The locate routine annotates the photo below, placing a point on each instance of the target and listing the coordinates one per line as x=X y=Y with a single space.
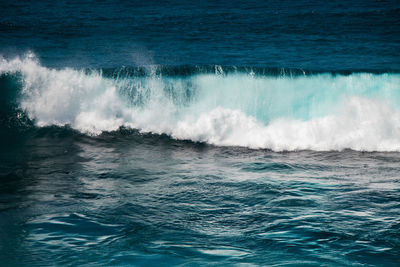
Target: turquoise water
x=132 y=199
x=192 y=134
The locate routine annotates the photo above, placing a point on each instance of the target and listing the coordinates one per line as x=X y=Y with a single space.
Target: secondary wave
x=243 y=108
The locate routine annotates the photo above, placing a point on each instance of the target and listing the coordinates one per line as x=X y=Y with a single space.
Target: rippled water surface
x=132 y=199
x=193 y=133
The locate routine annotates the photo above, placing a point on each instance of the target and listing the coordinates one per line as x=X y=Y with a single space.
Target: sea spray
x=282 y=112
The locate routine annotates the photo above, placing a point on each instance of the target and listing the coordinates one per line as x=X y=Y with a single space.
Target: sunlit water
x=247 y=133
x=131 y=199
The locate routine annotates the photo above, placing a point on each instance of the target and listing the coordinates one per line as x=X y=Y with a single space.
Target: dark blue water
x=300 y=34
x=259 y=133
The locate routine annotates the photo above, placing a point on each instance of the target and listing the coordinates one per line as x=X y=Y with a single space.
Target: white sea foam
x=320 y=112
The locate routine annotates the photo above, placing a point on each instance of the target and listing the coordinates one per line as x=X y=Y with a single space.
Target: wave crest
x=317 y=112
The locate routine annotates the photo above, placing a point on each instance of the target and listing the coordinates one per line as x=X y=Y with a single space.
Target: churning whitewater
x=283 y=112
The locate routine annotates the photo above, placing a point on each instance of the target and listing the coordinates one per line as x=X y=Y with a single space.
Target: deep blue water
x=254 y=133
x=333 y=35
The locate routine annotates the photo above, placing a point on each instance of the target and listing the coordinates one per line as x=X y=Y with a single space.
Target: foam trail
x=318 y=112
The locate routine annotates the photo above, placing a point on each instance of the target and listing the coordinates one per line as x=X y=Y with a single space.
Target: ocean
x=197 y=133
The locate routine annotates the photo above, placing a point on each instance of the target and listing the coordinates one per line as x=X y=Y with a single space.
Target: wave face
x=280 y=112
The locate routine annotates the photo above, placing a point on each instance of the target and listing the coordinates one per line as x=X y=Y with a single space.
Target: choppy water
x=257 y=133
x=131 y=199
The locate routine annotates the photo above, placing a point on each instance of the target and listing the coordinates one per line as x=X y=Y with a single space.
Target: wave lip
x=302 y=112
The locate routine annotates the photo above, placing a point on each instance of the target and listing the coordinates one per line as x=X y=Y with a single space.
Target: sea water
x=255 y=133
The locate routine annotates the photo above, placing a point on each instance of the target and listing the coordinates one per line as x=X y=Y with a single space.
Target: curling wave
x=322 y=111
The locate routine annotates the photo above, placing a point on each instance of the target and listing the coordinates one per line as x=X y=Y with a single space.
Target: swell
x=190 y=70
x=284 y=109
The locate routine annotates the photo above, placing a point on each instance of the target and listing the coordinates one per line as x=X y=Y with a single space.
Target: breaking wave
x=288 y=110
